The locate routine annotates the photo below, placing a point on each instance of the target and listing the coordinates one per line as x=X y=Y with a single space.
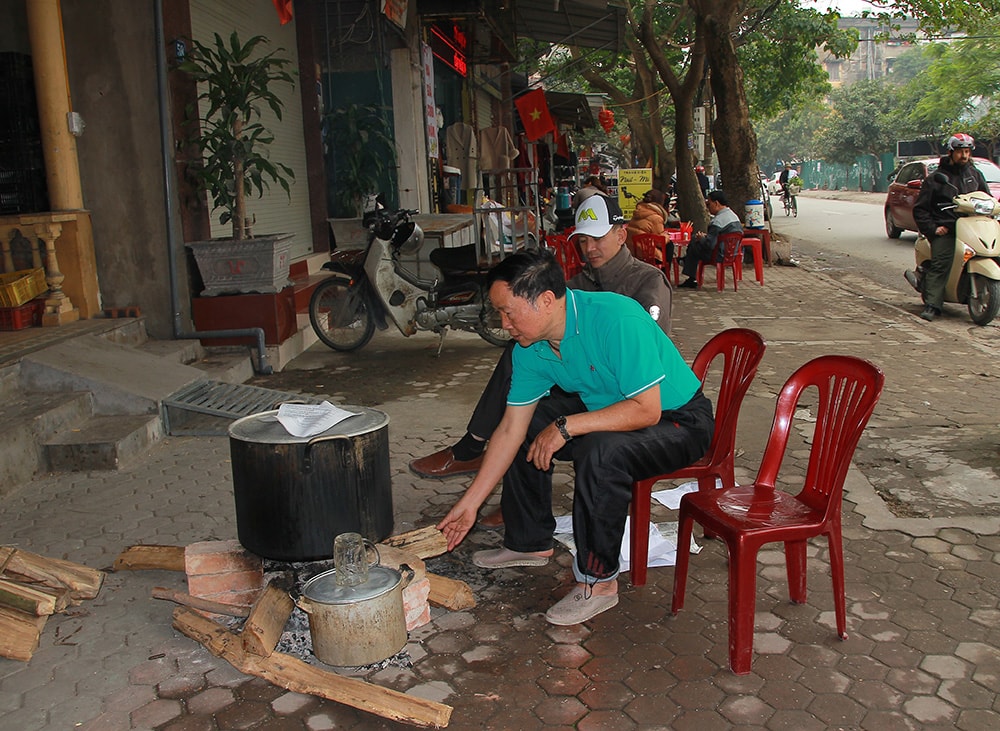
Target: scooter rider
x=935 y=216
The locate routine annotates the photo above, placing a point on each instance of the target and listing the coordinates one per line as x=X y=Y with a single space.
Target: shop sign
x=395 y=11
x=632 y=186
x=449 y=45
x=430 y=111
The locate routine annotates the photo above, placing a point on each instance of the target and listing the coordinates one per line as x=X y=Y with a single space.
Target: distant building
x=874 y=56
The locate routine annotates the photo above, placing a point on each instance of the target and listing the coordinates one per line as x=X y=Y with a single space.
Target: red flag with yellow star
x=534 y=114
x=284 y=8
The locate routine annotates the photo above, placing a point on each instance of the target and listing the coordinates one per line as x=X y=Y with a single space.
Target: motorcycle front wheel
x=490 y=328
x=984 y=308
x=340 y=316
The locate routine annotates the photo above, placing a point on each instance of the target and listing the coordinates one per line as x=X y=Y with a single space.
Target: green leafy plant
x=363 y=152
x=795 y=180
x=232 y=141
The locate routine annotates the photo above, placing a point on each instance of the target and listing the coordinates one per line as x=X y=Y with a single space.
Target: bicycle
x=788 y=200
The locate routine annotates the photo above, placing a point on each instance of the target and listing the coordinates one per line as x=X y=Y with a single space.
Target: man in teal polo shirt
x=632 y=409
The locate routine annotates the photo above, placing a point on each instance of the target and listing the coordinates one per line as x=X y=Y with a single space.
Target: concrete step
x=102 y=442
x=27 y=420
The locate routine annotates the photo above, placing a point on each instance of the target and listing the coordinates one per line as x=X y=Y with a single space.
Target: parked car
x=904 y=187
x=773 y=186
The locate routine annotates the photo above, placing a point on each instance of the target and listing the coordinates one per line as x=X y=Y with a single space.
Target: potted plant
x=363 y=152
x=235 y=81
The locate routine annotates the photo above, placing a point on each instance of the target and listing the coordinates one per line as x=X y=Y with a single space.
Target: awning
x=570 y=109
x=585 y=23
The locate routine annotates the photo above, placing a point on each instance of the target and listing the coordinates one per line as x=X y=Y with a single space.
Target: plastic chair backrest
x=652 y=249
x=847 y=390
x=742 y=350
x=731 y=243
x=566 y=254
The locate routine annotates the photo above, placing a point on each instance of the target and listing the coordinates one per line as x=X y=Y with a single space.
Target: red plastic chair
x=747 y=517
x=732 y=256
x=566 y=253
x=756 y=246
x=742 y=351
x=653 y=249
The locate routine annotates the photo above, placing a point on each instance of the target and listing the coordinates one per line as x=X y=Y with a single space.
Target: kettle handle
x=304 y=604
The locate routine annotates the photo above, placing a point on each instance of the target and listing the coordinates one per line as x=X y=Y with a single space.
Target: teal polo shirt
x=612 y=350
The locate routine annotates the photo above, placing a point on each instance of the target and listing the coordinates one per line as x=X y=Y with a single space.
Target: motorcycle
x=370 y=286
x=974 y=278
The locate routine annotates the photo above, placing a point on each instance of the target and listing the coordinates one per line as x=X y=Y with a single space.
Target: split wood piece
x=450 y=593
x=142 y=558
x=295 y=675
x=204 y=605
x=82 y=581
x=33 y=599
x=267 y=621
x=19 y=633
x=423 y=542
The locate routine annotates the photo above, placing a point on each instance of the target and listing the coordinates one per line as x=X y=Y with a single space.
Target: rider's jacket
x=934 y=207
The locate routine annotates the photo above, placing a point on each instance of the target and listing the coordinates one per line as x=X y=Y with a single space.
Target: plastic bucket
x=755 y=214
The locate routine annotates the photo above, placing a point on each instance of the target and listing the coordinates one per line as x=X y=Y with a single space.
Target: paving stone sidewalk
x=922 y=592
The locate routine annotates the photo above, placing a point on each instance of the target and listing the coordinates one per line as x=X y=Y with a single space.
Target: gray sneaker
x=911 y=276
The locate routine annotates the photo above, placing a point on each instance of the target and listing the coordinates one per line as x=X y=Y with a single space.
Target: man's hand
x=547 y=443
x=941 y=230
x=458 y=522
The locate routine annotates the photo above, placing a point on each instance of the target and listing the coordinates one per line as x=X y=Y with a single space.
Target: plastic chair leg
x=684 y=529
x=639 y=534
x=742 y=600
x=757 y=249
x=837 y=573
x=795 y=568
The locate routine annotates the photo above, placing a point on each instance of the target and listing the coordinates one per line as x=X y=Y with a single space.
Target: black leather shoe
x=930 y=313
x=444 y=464
x=691 y=283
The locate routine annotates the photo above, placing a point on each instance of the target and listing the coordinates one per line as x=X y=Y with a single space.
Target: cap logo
x=587 y=213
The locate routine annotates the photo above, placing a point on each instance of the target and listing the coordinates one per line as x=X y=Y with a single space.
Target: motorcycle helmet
x=408 y=238
x=959 y=141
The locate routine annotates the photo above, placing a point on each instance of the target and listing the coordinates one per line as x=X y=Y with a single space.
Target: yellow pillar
x=48 y=57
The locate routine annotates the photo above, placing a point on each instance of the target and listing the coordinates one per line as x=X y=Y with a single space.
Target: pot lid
x=323 y=588
x=266 y=429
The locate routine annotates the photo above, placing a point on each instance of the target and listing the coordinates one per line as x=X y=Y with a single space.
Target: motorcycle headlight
x=983 y=208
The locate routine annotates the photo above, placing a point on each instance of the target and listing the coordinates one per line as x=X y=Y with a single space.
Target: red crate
x=26 y=315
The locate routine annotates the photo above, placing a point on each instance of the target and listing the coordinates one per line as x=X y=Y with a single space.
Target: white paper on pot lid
x=308 y=420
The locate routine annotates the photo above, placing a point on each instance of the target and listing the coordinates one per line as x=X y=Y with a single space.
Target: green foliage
x=862 y=121
x=778 y=57
x=232 y=141
x=364 y=151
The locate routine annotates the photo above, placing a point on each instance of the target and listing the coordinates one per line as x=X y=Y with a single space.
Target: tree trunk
x=690 y=204
x=239 y=194
x=733 y=135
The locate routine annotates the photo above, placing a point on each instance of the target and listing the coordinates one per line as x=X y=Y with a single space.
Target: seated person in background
x=591 y=186
x=704 y=246
x=650 y=217
x=600 y=234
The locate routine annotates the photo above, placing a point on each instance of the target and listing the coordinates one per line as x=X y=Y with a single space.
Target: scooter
x=370 y=286
x=974 y=278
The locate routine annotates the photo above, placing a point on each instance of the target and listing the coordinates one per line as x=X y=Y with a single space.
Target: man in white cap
x=600 y=234
x=630 y=408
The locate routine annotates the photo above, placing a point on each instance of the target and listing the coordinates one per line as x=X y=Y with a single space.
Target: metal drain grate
x=206 y=408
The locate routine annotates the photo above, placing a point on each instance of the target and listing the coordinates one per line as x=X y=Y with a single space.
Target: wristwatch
x=561 y=426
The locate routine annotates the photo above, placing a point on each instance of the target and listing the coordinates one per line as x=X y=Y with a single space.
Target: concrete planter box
x=256 y=265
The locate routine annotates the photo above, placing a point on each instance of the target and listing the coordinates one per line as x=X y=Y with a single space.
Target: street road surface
x=838 y=236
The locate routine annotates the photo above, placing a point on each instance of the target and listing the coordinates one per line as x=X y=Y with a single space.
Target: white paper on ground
x=662 y=542
x=308 y=420
x=671 y=497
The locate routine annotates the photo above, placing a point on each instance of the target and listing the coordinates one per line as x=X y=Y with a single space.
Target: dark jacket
x=626 y=275
x=932 y=207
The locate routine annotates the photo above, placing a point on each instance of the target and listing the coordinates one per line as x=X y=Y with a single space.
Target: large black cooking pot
x=295 y=494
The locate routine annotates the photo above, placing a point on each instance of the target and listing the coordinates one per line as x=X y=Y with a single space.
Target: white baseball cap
x=596 y=215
